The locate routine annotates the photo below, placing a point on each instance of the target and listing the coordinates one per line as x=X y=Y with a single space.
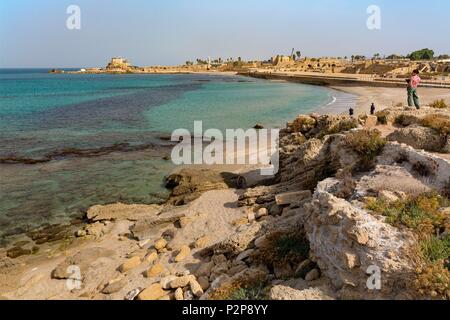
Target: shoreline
x=389 y=97
x=88 y=153
x=109 y=234
x=365 y=90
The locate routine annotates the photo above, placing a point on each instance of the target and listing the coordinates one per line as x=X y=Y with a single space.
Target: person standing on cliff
x=372 y=109
x=413 y=84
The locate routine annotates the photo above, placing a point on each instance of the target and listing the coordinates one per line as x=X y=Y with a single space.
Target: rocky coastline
x=359 y=210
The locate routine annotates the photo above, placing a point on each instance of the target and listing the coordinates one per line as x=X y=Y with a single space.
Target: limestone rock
x=314 y=274
x=290 y=197
x=165 y=282
x=130 y=264
x=145 y=228
x=83 y=260
x=419 y=138
x=181 y=282
x=151 y=257
x=251 y=216
x=188 y=295
x=160 y=244
x=262 y=212
x=115 y=285
x=196 y=288
x=132 y=294
x=154 y=270
x=202 y=242
x=282 y=292
x=239 y=241
x=120 y=211
x=204 y=270
x=245 y=254
x=154 y=292
x=96 y=229
x=179 y=295
x=184 y=221
x=371 y=121
x=204 y=283
x=183 y=253
x=343 y=236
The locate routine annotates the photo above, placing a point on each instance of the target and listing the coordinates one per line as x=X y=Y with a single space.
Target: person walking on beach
x=372 y=109
x=413 y=84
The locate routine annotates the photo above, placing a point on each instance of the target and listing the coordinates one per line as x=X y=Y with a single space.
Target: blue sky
x=33 y=33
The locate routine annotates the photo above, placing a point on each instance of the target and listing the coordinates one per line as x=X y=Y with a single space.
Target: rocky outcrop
x=348 y=244
x=83 y=260
x=188 y=184
x=433 y=167
x=419 y=138
x=120 y=211
x=300 y=290
x=144 y=229
x=316 y=160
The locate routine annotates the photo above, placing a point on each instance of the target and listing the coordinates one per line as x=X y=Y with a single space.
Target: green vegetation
x=443 y=57
x=395 y=57
x=439 y=104
x=285 y=247
x=436 y=248
x=254 y=288
x=257 y=291
x=341 y=126
x=424 y=215
x=405 y=120
x=420 y=213
x=424 y=54
x=368 y=144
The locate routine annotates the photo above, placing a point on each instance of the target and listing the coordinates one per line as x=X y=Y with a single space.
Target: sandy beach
x=388 y=97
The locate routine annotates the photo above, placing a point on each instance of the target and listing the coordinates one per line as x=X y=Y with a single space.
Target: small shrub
x=421 y=213
x=382 y=117
x=341 y=126
x=243 y=289
x=368 y=144
x=406 y=120
x=422 y=169
x=285 y=247
x=399 y=120
x=436 y=248
x=439 y=104
x=434 y=280
x=438 y=122
x=303 y=124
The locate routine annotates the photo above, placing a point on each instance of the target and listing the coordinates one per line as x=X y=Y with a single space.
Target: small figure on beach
x=413 y=84
x=351 y=111
x=372 y=109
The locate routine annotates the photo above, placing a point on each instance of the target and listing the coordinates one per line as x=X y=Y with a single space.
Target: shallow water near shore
x=42 y=114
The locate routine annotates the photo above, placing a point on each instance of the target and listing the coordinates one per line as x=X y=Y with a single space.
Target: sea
x=70 y=141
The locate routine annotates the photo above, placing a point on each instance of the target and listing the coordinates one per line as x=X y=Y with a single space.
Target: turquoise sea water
x=44 y=115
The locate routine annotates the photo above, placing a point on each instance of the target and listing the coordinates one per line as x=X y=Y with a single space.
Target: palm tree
x=353 y=58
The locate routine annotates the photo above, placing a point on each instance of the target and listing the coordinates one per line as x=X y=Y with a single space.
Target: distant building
x=280 y=59
x=118 y=64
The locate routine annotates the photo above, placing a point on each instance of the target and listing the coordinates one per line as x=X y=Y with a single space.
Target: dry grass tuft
x=438 y=122
x=368 y=144
x=439 y=104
